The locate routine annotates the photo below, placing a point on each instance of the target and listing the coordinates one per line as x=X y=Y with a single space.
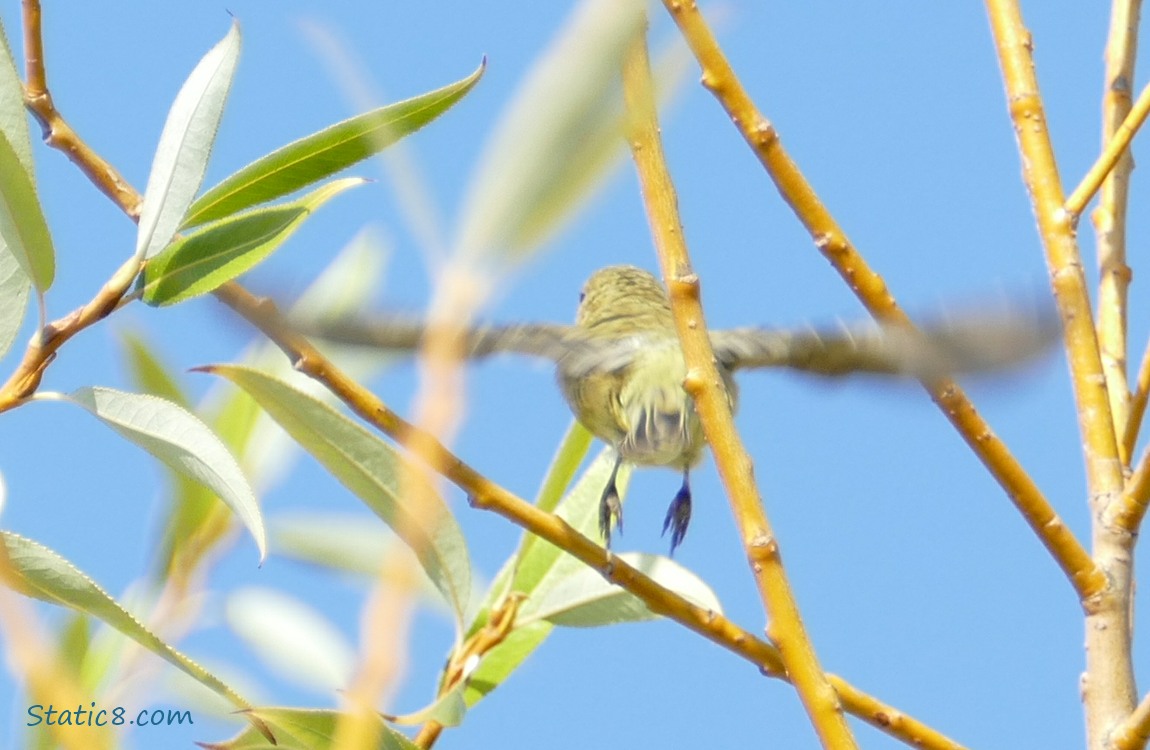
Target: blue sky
x=917 y=579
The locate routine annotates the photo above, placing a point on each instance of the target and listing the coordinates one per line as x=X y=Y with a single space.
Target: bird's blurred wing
x=400 y=333
x=973 y=342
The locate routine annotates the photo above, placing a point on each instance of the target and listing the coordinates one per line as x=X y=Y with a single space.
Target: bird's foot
x=678 y=516
x=610 y=508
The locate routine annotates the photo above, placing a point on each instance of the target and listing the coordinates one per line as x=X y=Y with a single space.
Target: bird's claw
x=610 y=508
x=678 y=517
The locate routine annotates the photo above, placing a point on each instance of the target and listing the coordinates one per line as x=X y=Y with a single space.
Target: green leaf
x=587 y=599
x=303 y=729
x=23 y=230
x=500 y=662
x=36 y=571
x=336 y=542
x=148 y=372
x=14 y=288
x=13 y=118
x=448 y=710
x=373 y=470
x=555 y=138
x=186 y=144
x=194 y=522
x=179 y=439
x=14 y=281
x=540 y=566
x=324 y=153
x=203 y=260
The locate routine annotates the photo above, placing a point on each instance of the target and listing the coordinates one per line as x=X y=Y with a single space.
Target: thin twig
x=489 y=496
x=1119 y=123
x=719 y=77
x=712 y=401
x=1137 y=404
x=1128 y=511
x=1134 y=732
x=484 y=494
x=1108 y=684
x=1131 y=119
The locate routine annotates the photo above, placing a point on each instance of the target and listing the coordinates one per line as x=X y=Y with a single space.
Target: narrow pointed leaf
x=14 y=281
x=539 y=567
x=448 y=710
x=185 y=145
x=23 y=230
x=324 y=153
x=558 y=134
x=13 y=118
x=203 y=260
x=303 y=729
x=36 y=571
x=14 y=288
x=179 y=439
x=373 y=470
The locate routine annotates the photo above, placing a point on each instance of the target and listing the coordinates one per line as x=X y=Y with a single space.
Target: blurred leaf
x=294 y=640
x=324 y=153
x=203 y=260
x=36 y=571
x=148 y=372
x=587 y=599
x=197 y=521
x=303 y=729
x=555 y=138
x=186 y=144
x=448 y=710
x=178 y=438
x=373 y=470
x=23 y=229
x=342 y=542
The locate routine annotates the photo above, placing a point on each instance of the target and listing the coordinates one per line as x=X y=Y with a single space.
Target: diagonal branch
x=712 y=401
x=869 y=287
x=489 y=496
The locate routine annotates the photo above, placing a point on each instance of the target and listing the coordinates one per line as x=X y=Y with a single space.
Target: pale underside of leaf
x=186 y=144
x=373 y=470
x=183 y=442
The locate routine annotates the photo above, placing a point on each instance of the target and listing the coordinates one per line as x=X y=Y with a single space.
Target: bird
x=621 y=369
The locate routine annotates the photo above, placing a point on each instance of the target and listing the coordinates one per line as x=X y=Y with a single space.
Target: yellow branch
x=1134 y=733
x=1137 y=404
x=719 y=77
x=705 y=385
x=1108 y=683
x=1119 y=124
x=483 y=492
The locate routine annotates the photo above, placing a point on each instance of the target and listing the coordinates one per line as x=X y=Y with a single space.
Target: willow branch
x=1119 y=123
x=489 y=496
x=706 y=387
x=869 y=287
x=1128 y=511
x=26 y=378
x=1137 y=404
x=1134 y=733
x=1108 y=683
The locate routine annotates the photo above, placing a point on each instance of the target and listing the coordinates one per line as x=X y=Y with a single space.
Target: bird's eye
x=582 y=296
